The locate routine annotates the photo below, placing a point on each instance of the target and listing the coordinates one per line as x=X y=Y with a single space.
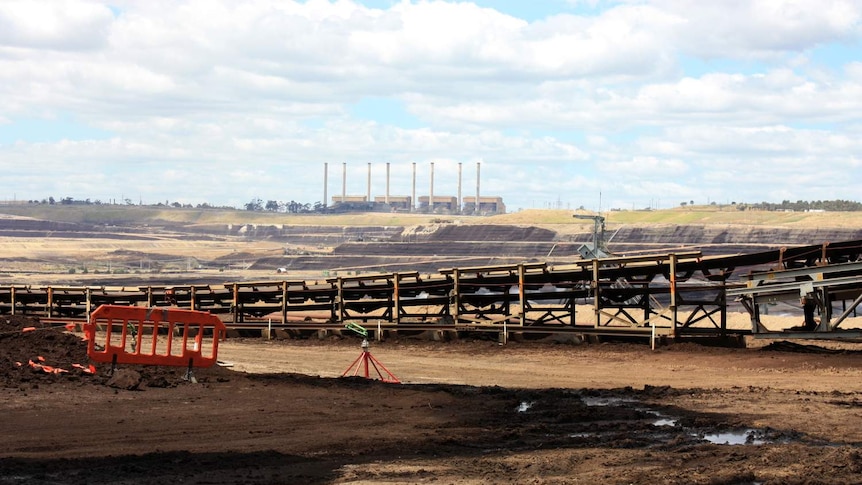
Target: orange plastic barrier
x=153 y=336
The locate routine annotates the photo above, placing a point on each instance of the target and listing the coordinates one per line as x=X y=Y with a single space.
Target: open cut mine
x=471 y=408
x=764 y=418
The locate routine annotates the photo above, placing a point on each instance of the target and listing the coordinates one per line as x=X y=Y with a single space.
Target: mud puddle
x=743 y=437
x=625 y=420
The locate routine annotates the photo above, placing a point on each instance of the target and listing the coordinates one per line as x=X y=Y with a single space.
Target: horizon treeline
x=294 y=207
x=838 y=205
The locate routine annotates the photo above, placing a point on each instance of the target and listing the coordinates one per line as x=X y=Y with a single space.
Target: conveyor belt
x=679 y=293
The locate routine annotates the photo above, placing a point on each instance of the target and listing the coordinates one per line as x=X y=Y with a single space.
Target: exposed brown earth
x=62 y=252
x=469 y=412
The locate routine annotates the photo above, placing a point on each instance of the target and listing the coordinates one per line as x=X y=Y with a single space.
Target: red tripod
x=366 y=360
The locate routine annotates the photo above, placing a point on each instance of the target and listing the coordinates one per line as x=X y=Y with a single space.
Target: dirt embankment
x=321 y=249
x=471 y=412
x=428 y=249
x=726 y=239
x=648 y=234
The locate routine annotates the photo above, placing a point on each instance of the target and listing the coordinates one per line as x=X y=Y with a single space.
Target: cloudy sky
x=646 y=102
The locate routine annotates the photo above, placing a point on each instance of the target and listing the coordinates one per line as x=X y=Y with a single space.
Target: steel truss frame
x=678 y=293
x=823 y=284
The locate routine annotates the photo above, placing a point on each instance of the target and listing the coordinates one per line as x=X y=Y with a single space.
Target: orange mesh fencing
x=153 y=336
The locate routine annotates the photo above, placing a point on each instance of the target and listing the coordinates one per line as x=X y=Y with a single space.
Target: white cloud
x=646 y=168
x=760 y=29
x=233 y=100
x=61 y=25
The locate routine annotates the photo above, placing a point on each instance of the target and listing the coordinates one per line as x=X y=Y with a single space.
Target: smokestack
x=343 y=182
x=387 y=182
x=369 y=181
x=478 y=177
x=413 y=198
x=431 y=191
x=325 y=181
x=459 y=187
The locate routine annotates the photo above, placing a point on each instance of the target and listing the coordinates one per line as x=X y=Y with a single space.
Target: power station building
x=401 y=203
x=349 y=199
x=487 y=205
x=431 y=203
x=440 y=204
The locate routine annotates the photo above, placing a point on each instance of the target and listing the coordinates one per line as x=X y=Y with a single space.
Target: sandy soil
x=470 y=412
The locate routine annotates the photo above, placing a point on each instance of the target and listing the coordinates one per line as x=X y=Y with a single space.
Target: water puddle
x=667 y=427
x=664 y=422
x=661 y=419
x=744 y=437
x=606 y=401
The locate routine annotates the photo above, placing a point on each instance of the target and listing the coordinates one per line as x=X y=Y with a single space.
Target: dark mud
x=81 y=428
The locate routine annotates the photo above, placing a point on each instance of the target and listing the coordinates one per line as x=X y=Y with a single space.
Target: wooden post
x=236 y=314
x=284 y=298
x=390 y=299
x=397 y=295
x=456 y=298
x=597 y=308
x=673 y=293
x=340 y=302
x=723 y=305
x=523 y=313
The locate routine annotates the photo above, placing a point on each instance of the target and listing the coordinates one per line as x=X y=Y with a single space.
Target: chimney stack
x=459 y=188
x=343 y=182
x=325 y=181
x=413 y=199
x=478 y=177
x=431 y=191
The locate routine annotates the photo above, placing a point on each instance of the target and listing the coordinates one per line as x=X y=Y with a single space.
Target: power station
x=429 y=204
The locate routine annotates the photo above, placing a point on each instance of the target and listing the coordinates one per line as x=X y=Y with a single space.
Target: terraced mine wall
x=300 y=235
x=429 y=248
x=738 y=236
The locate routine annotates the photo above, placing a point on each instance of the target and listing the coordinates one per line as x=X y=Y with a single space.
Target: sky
x=626 y=104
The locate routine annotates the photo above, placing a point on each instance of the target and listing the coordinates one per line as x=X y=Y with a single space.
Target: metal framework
x=675 y=294
x=817 y=287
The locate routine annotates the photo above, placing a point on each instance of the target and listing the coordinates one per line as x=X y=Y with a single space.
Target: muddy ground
x=470 y=412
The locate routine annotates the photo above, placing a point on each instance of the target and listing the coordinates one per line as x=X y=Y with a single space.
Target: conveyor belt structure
x=669 y=295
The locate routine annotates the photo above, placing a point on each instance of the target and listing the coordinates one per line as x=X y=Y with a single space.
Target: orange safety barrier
x=153 y=336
